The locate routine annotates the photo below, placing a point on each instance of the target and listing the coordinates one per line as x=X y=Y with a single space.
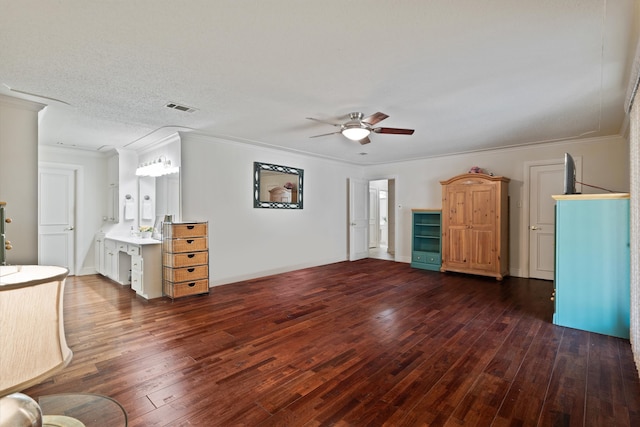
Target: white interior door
x=391 y=211
x=383 y=218
x=56 y=217
x=358 y=219
x=544 y=181
x=374 y=240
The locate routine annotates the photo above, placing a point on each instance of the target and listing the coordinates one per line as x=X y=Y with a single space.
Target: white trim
x=58 y=149
x=169 y=139
x=21 y=103
x=634 y=80
x=634 y=232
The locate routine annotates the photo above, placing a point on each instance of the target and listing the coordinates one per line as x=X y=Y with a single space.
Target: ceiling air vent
x=179 y=107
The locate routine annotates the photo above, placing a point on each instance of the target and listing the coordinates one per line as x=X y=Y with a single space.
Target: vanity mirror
x=277 y=187
x=158 y=197
x=168 y=196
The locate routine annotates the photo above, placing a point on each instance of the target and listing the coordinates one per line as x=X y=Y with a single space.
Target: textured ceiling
x=467 y=75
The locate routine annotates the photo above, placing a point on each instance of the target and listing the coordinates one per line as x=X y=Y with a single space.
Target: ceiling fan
x=358 y=128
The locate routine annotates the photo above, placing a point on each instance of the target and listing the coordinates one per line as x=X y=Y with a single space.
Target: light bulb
x=356 y=133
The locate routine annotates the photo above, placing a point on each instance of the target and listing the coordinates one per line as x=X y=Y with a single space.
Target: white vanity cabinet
x=112 y=265
x=146 y=269
x=135 y=261
x=99 y=253
x=137 y=273
x=109 y=265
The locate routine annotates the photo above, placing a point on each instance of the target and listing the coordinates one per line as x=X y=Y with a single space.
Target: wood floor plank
x=523 y=403
x=565 y=400
x=630 y=384
x=364 y=343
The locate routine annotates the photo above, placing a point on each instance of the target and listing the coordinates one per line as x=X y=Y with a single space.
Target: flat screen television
x=569 y=174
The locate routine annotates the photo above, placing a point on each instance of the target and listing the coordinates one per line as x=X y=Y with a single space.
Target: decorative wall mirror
x=277 y=187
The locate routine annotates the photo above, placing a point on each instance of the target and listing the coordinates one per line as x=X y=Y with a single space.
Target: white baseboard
x=86 y=271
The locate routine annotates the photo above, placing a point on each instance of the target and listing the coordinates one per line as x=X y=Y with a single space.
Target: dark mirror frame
x=259 y=167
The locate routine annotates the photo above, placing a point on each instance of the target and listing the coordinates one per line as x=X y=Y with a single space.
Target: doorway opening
x=382 y=219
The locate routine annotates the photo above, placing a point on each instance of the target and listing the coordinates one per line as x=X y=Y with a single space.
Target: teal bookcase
x=592 y=277
x=426 y=239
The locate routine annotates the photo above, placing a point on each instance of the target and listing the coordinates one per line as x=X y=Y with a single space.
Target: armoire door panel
x=483 y=253
x=482 y=205
x=457 y=246
x=457 y=209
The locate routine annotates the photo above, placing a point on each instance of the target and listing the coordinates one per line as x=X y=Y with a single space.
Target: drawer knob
x=191 y=285
x=191 y=270
x=190 y=227
x=189 y=241
x=191 y=255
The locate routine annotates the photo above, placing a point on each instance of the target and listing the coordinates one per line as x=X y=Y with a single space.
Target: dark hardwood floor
x=360 y=343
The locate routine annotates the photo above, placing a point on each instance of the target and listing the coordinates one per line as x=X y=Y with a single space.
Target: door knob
x=533 y=227
x=68 y=228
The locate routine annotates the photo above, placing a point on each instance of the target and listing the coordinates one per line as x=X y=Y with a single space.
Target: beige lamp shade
x=32 y=340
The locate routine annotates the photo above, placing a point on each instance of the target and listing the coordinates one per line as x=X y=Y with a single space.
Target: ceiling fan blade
x=324 y=134
x=364 y=140
x=322 y=121
x=395 y=131
x=375 y=118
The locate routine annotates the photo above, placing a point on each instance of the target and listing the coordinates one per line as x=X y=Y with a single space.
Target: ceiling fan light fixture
x=356 y=132
x=358 y=128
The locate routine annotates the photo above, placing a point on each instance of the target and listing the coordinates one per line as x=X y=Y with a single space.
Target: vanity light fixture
x=158 y=167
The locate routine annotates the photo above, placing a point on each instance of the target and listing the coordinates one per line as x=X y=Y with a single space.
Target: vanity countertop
x=134 y=240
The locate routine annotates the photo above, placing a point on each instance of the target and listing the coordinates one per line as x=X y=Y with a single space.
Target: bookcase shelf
x=426 y=239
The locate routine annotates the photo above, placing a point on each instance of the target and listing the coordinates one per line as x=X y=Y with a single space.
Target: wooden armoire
x=475 y=225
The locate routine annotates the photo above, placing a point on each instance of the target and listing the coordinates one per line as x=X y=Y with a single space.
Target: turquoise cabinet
x=426 y=237
x=593 y=263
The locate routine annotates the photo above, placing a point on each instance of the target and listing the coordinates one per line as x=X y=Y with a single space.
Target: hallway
x=380 y=253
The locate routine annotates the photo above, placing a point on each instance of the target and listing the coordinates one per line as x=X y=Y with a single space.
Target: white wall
x=605 y=162
x=19 y=176
x=247 y=242
x=128 y=187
